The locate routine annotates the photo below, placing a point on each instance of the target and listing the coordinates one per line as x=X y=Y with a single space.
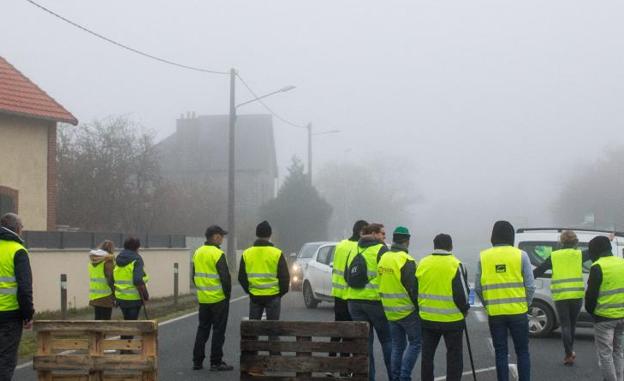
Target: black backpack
x=357 y=272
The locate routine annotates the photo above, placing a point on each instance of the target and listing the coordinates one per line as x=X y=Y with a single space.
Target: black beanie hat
x=263 y=230
x=503 y=233
x=597 y=246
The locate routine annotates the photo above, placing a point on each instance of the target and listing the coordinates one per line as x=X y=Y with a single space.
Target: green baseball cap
x=401 y=230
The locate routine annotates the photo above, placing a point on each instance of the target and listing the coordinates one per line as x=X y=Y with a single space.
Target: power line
x=276 y=115
x=123 y=46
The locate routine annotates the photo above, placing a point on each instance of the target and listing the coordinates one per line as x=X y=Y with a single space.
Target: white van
x=539 y=243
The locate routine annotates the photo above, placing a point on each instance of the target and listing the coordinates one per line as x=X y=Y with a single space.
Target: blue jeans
x=373 y=313
x=518 y=327
x=403 y=361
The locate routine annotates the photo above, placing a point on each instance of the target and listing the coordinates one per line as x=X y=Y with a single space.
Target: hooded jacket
x=96 y=257
x=23 y=276
x=124 y=258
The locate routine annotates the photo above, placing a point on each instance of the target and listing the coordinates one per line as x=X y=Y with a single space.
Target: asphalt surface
x=176 y=342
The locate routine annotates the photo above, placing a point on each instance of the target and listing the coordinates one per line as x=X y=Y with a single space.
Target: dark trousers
x=271 y=306
x=102 y=313
x=130 y=313
x=10 y=335
x=518 y=327
x=568 y=311
x=453 y=338
x=215 y=316
x=341 y=313
x=373 y=313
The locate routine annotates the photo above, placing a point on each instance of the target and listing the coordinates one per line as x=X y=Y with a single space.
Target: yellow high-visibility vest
x=98 y=284
x=261 y=264
x=8 y=283
x=124 y=282
x=502 y=281
x=395 y=299
x=610 y=302
x=567 y=274
x=207 y=281
x=341 y=255
x=435 y=288
x=371 y=290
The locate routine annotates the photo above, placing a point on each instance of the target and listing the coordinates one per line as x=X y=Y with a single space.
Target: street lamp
x=310 y=134
x=231 y=247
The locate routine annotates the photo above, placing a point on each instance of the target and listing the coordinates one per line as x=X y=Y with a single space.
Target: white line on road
x=29 y=363
x=468 y=373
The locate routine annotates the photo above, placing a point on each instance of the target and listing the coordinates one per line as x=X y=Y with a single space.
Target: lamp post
x=231 y=243
x=310 y=134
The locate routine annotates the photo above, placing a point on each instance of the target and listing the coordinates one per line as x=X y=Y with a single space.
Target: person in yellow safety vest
x=397 y=288
x=604 y=300
x=130 y=279
x=443 y=304
x=16 y=297
x=212 y=280
x=339 y=284
x=101 y=283
x=567 y=287
x=365 y=303
x=504 y=283
x=263 y=274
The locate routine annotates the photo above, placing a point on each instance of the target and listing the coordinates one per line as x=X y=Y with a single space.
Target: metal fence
x=89 y=240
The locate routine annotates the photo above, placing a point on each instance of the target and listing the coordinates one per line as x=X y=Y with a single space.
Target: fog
x=486 y=108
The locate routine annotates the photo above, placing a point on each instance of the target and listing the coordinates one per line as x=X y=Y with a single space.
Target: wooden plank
x=247 y=377
x=110 y=327
x=93 y=363
x=135 y=344
x=304 y=355
x=256 y=363
x=304 y=328
x=69 y=344
x=311 y=346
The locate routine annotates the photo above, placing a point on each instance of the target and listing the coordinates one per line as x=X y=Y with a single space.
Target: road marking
x=468 y=373
x=513 y=369
x=29 y=363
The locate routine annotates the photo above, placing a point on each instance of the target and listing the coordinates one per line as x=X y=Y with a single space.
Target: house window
x=8 y=200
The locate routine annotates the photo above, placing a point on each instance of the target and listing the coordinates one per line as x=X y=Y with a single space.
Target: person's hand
x=28 y=324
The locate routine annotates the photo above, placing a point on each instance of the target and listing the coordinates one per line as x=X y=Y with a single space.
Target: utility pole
x=231 y=242
x=309 y=127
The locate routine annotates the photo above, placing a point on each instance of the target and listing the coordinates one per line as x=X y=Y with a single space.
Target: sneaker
x=198 y=366
x=221 y=367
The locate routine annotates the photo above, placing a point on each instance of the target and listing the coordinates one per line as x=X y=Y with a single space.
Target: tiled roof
x=19 y=96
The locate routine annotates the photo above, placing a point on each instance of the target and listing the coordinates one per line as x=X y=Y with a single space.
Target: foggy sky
x=494 y=102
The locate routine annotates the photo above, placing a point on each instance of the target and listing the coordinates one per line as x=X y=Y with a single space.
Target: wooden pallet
x=89 y=350
x=302 y=353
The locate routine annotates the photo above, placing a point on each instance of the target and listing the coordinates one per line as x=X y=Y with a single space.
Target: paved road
x=176 y=342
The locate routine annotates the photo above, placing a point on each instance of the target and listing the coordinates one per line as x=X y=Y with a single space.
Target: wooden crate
x=89 y=350
x=302 y=353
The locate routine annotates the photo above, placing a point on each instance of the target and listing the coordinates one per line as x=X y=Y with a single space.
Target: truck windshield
x=539 y=251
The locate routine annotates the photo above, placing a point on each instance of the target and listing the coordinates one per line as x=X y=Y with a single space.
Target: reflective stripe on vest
x=261 y=264
x=567 y=274
x=371 y=290
x=435 y=276
x=394 y=297
x=206 y=279
x=610 y=302
x=98 y=284
x=341 y=255
x=124 y=284
x=8 y=283
x=502 y=281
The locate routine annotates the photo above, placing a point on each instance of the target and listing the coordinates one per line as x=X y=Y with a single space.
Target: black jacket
x=593 y=290
x=460 y=297
x=23 y=276
x=124 y=258
x=223 y=271
x=283 y=276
